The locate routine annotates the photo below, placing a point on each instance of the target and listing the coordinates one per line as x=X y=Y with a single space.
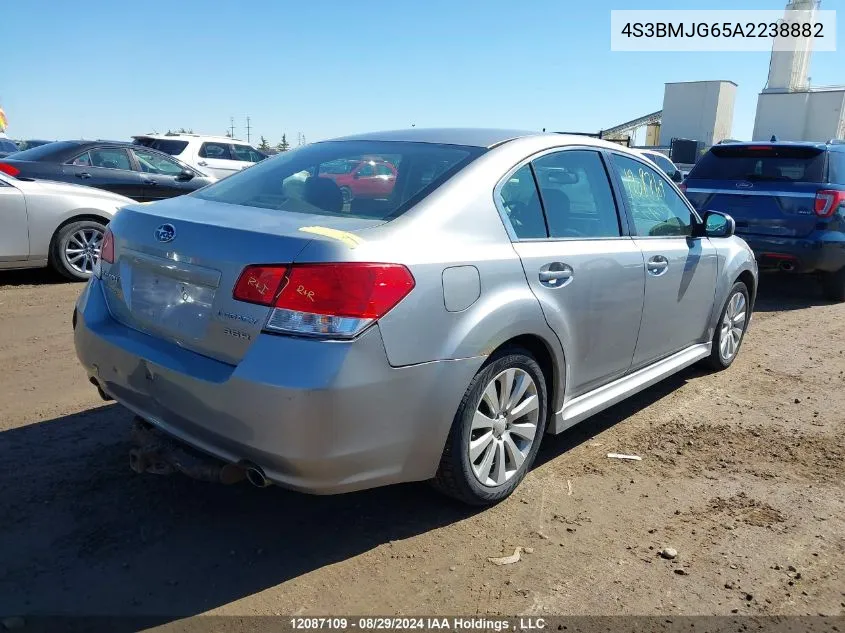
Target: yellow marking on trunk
x=342 y=236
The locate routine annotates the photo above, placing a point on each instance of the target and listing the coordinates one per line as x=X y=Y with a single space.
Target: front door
x=587 y=274
x=680 y=269
x=14 y=232
x=161 y=175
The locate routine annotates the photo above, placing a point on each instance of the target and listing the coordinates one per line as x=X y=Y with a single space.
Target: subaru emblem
x=165 y=233
x=744 y=185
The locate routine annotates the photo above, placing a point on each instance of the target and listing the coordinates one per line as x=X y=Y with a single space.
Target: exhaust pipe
x=102 y=393
x=256 y=476
x=787 y=266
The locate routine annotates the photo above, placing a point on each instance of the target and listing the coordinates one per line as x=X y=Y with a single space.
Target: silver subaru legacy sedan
x=468 y=292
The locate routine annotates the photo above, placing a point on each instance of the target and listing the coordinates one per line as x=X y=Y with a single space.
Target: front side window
x=576 y=195
x=657 y=210
x=110 y=159
x=383 y=170
x=83 y=160
x=215 y=150
x=367 y=170
x=309 y=179
x=664 y=163
x=521 y=203
x=246 y=153
x=155 y=163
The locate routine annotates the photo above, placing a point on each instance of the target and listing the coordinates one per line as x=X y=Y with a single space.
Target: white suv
x=218 y=156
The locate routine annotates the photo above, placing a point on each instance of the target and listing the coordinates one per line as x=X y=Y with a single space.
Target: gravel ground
x=742 y=474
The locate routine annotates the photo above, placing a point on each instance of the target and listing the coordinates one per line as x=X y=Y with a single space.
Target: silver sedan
x=53 y=224
x=475 y=291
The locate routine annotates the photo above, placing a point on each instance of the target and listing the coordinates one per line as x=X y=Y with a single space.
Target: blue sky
x=112 y=68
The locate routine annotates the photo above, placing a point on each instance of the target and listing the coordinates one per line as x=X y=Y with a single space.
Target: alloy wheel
x=504 y=427
x=733 y=326
x=82 y=250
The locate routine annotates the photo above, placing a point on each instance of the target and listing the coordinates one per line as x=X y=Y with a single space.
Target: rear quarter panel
x=48 y=212
x=457 y=225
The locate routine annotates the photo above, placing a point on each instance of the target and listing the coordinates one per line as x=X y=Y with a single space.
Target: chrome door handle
x=555 y=275
x=657 y=265
x=202 y=163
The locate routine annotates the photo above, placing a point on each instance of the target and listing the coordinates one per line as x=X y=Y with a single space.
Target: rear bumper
x=823 y=252
x=319 y=417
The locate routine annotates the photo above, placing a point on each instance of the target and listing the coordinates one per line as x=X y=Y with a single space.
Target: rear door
x=768 y=189
x=108 y=168
x=581 y=264
x=680 y=280
x=216 y=159
x=14 y=231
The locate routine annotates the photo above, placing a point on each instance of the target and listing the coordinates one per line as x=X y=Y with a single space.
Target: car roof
x=204 y=137
x=474 y=137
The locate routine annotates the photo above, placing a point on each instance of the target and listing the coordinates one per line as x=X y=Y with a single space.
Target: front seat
x=558 y=214
x=323 y=193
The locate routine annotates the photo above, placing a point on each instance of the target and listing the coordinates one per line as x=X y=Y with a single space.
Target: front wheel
x=833 y=285
x=76 y=249
x=496 y=432
x=731 y=328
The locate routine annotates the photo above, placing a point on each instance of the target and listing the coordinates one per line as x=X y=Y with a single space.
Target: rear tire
x=833 y=285
x=489 y=439
x=76 y=248
x=730 y=329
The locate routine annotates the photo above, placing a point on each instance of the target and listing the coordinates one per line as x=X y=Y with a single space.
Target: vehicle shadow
x=554 y=446
x=31 y=277
x=82 y=535
x=781 y=292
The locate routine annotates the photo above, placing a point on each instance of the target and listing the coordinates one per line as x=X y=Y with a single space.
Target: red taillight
x=362 y=291
x=682 y=187
x=259 y=284
x=336 y=300
x=6 y=168
x=828 y=201
x=107 y=249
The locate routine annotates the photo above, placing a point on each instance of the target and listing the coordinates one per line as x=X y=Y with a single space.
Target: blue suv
x=788 y=201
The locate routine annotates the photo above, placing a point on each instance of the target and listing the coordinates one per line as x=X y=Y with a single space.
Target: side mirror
x=185 y=175
x=356 y=175
x=678 y=176
x=718 y=224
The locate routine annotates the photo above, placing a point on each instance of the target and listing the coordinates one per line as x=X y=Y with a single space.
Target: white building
x=789 y=107
x=698 y=110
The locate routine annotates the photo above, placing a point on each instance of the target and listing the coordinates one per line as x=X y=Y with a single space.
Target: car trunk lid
x=176 y=264
x=768 y=189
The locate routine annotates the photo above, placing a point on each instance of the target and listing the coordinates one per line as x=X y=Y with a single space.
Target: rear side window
x=174 y=148
x=576 y=195
x=305 y=180
x=246 y=153
x=837 y=167
x=664 y=163
x=110 y=158
x=215 y=150
x=776 y=163
x=521 y=203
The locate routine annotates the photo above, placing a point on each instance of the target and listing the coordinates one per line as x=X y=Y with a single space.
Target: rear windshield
x=174 y=148
x=360 y=179
x=759 y=163
x=43 y=151
x=7 y=146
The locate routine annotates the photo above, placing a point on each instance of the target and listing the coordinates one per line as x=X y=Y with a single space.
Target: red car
x=365 y=178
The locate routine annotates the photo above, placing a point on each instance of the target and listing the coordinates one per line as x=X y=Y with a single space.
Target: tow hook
x=156 y=453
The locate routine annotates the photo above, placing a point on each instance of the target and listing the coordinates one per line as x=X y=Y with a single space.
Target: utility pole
x=247 y=129
x=232 y=127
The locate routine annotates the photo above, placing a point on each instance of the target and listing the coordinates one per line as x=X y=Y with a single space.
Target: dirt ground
x=742 y=473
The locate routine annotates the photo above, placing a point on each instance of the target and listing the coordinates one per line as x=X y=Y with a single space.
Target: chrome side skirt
x=584 y=406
